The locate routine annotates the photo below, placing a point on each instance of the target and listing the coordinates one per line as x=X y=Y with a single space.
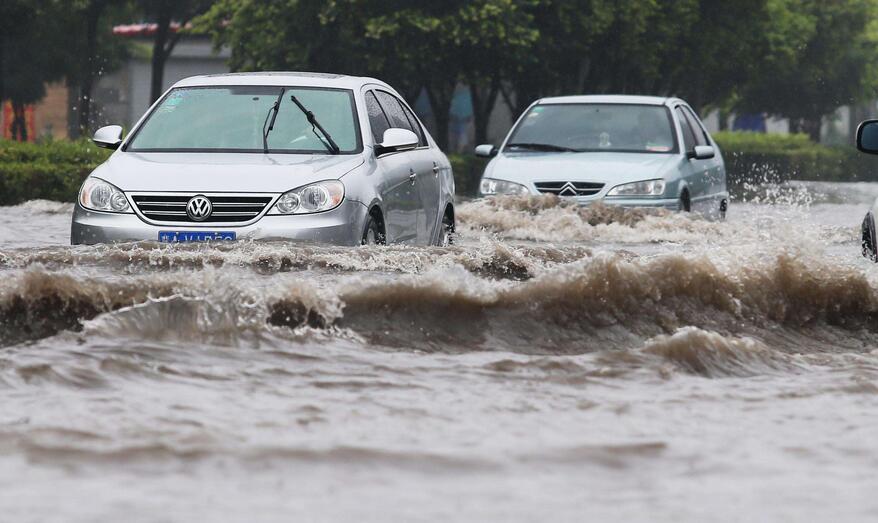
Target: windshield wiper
x=543 y=147
x=328 y=142
x=272 y=113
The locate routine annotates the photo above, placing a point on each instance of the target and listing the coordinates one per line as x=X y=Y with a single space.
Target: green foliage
x=817 y=56
x=51 y=171
x=754 y=158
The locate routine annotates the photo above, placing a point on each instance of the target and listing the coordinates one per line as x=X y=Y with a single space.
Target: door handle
x=435 y=169
x=413 y=177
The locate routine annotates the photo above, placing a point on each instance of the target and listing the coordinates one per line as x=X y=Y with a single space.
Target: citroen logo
x=568 y=190
x=199 y=208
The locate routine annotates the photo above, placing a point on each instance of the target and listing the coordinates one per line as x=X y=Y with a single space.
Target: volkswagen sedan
x=290 y=156
x=632 y=151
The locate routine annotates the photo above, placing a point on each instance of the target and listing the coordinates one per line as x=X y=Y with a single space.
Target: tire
x=685 y=202
x=372 y=234
x=870 y=246
x=446 y=234
x=723 y=210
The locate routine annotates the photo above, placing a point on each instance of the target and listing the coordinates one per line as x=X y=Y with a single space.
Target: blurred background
x=797 y=75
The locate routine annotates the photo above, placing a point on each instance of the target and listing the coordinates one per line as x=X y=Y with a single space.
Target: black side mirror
x=867 y=137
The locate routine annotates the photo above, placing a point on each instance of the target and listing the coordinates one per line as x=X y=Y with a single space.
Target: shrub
x=468 y=170
x=51 y=170
x=753 y=158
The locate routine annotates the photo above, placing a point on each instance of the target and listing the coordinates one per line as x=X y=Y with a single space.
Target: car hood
x=224 y=172
x=609 y=168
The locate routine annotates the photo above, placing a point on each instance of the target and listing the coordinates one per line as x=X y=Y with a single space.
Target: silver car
x=633 y=151
x=292 y=156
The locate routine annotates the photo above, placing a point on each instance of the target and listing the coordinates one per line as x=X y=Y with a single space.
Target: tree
x=29 y=39
x=820 y=56
x=90 y=49
x=490 y=37
x=171 y=18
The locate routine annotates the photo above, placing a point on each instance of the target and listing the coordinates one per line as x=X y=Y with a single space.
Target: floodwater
x=557 y=364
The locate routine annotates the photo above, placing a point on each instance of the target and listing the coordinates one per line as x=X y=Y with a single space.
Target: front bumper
x=343 y=225
x=652 y=203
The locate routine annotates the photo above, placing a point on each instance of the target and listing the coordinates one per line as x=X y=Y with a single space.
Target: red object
x=141 y=29
x=10 y=132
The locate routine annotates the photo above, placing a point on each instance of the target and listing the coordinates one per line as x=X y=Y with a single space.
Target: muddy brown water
x=556 y=364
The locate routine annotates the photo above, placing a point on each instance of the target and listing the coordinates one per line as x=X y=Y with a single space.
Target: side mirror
x=109 y=137
x=486 y=151
x=702 y=152
x=397 y=140
x=867 y=137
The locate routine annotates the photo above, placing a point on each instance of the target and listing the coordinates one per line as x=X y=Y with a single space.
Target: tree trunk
x=440 y=98
x=160 y=52
x=86 y=85
x=2 y=68
x=813 y=126
x=19 y=122
x=483 y=100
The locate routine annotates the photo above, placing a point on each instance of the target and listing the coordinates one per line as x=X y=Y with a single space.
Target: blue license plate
x=195 y=236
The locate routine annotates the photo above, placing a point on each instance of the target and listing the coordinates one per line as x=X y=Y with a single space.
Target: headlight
x=317 y=197
x=99 y=195
x=492 y=187
x=647 y=188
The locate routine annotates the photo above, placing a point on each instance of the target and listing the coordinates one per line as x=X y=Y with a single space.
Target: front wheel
x=373 y=235
x=685 y=203
x=446 y=235
x=870 y=246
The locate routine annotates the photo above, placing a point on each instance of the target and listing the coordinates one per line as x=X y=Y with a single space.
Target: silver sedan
x=632 y=151
x=315 y=157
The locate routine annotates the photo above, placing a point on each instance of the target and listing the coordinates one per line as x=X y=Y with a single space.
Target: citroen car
x=634 y=151
x=262 y=156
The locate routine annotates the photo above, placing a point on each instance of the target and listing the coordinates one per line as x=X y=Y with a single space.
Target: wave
x=792 y=302
x=713 y=355
x=44 y=207
x=490 y=259
x=552 y=219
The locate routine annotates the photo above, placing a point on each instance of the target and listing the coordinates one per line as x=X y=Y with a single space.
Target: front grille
x=226 y=209
x=569 y=188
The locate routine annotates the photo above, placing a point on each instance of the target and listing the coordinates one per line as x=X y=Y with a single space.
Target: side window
x=393 y=110
x=688 y=135
x=377 y=118
x=697 y=128
x=415 y=126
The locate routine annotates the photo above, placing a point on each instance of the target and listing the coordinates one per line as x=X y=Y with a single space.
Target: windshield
x=595 y=127
x=231 y=119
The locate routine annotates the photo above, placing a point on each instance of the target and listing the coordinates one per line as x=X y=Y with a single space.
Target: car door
x=399 y=196
x=714 y=172
x=700 y=170
x=421 y=161
x=693 y=170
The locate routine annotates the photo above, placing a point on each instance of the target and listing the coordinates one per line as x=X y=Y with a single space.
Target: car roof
x=608 y=99
x=280 y=78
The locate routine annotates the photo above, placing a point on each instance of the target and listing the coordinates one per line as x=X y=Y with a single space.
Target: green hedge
x=753 y=158
x=51 y=170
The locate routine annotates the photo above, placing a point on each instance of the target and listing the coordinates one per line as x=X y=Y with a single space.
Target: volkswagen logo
x=199 y=208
